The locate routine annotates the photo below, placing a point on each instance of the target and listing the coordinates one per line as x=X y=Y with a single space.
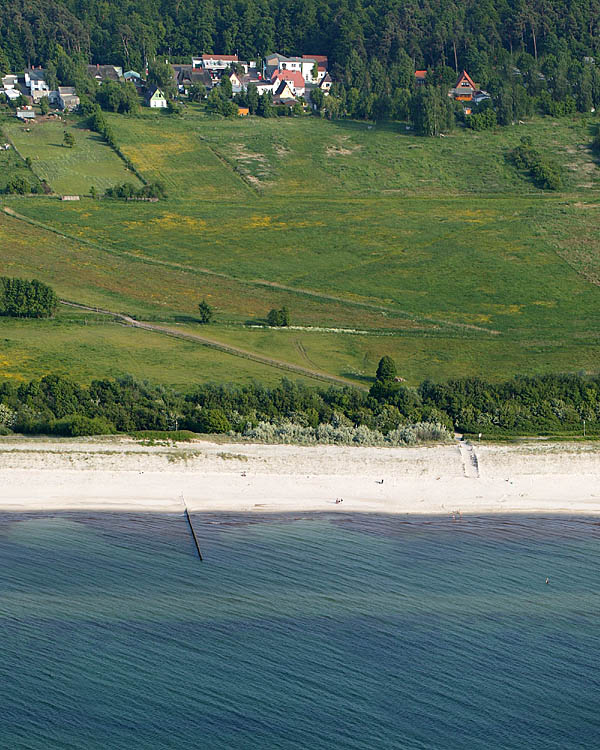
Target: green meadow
x=435 y=251
x=71 y=171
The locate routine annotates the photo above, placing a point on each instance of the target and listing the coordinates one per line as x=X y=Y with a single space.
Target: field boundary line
x=230 y=167
x=200 y=271
x=127 y=320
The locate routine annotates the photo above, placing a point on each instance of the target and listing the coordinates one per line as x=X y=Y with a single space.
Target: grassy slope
x=69 y=170
x=443 y=234
x=86 y=346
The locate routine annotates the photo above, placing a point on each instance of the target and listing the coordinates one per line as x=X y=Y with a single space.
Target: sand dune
x=120 y=474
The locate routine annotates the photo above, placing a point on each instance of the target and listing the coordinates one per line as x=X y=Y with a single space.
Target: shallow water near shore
x=298 y=631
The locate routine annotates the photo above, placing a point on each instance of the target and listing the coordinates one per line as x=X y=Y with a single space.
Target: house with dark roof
x=35 y=81
x=325 y=84
x=283 y=94
x=67 y=98
x=102 y=73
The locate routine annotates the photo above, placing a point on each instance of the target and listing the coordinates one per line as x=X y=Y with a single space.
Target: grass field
x=438 y=250
x=85 y=347
x=69 y=170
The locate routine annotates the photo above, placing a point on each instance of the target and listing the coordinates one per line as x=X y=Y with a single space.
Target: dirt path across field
x=213 y=344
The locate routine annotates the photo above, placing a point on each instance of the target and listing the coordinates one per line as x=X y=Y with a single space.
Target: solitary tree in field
x=44 y=105
x=205 y=312
x=386 y=370
x=68 y=139
x=279 y=318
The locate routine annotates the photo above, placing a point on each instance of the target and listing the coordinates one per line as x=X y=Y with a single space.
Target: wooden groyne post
x=194 y=537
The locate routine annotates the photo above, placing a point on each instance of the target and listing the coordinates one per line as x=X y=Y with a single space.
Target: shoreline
x=120 y=474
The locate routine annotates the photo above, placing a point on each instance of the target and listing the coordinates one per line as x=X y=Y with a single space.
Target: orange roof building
x=464 y=89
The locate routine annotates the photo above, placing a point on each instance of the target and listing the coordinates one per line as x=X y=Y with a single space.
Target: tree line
x=548 y=404
x=534 y=56
x=20 y=298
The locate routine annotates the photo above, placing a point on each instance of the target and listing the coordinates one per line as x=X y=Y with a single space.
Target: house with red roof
x=420 y=76
x=293 y=78
x=464 y=89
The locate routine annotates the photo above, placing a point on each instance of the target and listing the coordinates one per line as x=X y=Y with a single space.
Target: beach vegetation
x=293 y=412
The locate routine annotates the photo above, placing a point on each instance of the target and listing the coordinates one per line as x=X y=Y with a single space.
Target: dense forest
x=531 y=56
x=390 y=413
x=470 y=34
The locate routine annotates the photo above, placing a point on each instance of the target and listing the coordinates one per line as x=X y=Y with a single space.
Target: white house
x=214 y=63
x=12 y=94
x=276 y=62
x=308 y=65
x=236 y=83
x=293 y=78
x=263 y=87
x=155 y=98
x=9 y=82
x=35 y=80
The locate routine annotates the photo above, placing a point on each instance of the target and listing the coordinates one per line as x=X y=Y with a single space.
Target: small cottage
x=67 y=98
x=465 y=89
x=155 y=98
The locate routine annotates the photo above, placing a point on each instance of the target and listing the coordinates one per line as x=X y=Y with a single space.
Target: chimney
x=97 y=66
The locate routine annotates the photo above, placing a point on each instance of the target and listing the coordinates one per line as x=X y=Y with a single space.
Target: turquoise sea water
x=304 y=632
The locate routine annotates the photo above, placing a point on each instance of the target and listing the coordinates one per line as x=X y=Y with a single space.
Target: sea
x=299 y=632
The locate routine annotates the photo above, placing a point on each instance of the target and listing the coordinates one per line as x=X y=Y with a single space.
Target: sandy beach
x=121 y=474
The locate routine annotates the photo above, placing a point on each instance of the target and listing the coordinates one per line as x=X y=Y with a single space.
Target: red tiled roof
x=420 y=74
x=318 y=58
x=293 y=76
x=465 y=76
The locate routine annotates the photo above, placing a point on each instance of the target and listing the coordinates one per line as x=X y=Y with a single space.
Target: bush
x=279 y=318
x=17 y=186
x=213 y=421
x=544 y=174
x=77 y=425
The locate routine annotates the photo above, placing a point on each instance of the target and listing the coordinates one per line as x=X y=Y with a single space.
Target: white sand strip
x=119 y=474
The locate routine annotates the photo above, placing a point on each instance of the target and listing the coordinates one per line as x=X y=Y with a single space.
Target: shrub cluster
x=483 y=120
x=544 y=174
x=26 y=299
x=339 y=433
x=128 y=191
x=18 y=185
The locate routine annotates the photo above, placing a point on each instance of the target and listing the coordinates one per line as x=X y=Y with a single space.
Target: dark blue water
x=311 y=632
